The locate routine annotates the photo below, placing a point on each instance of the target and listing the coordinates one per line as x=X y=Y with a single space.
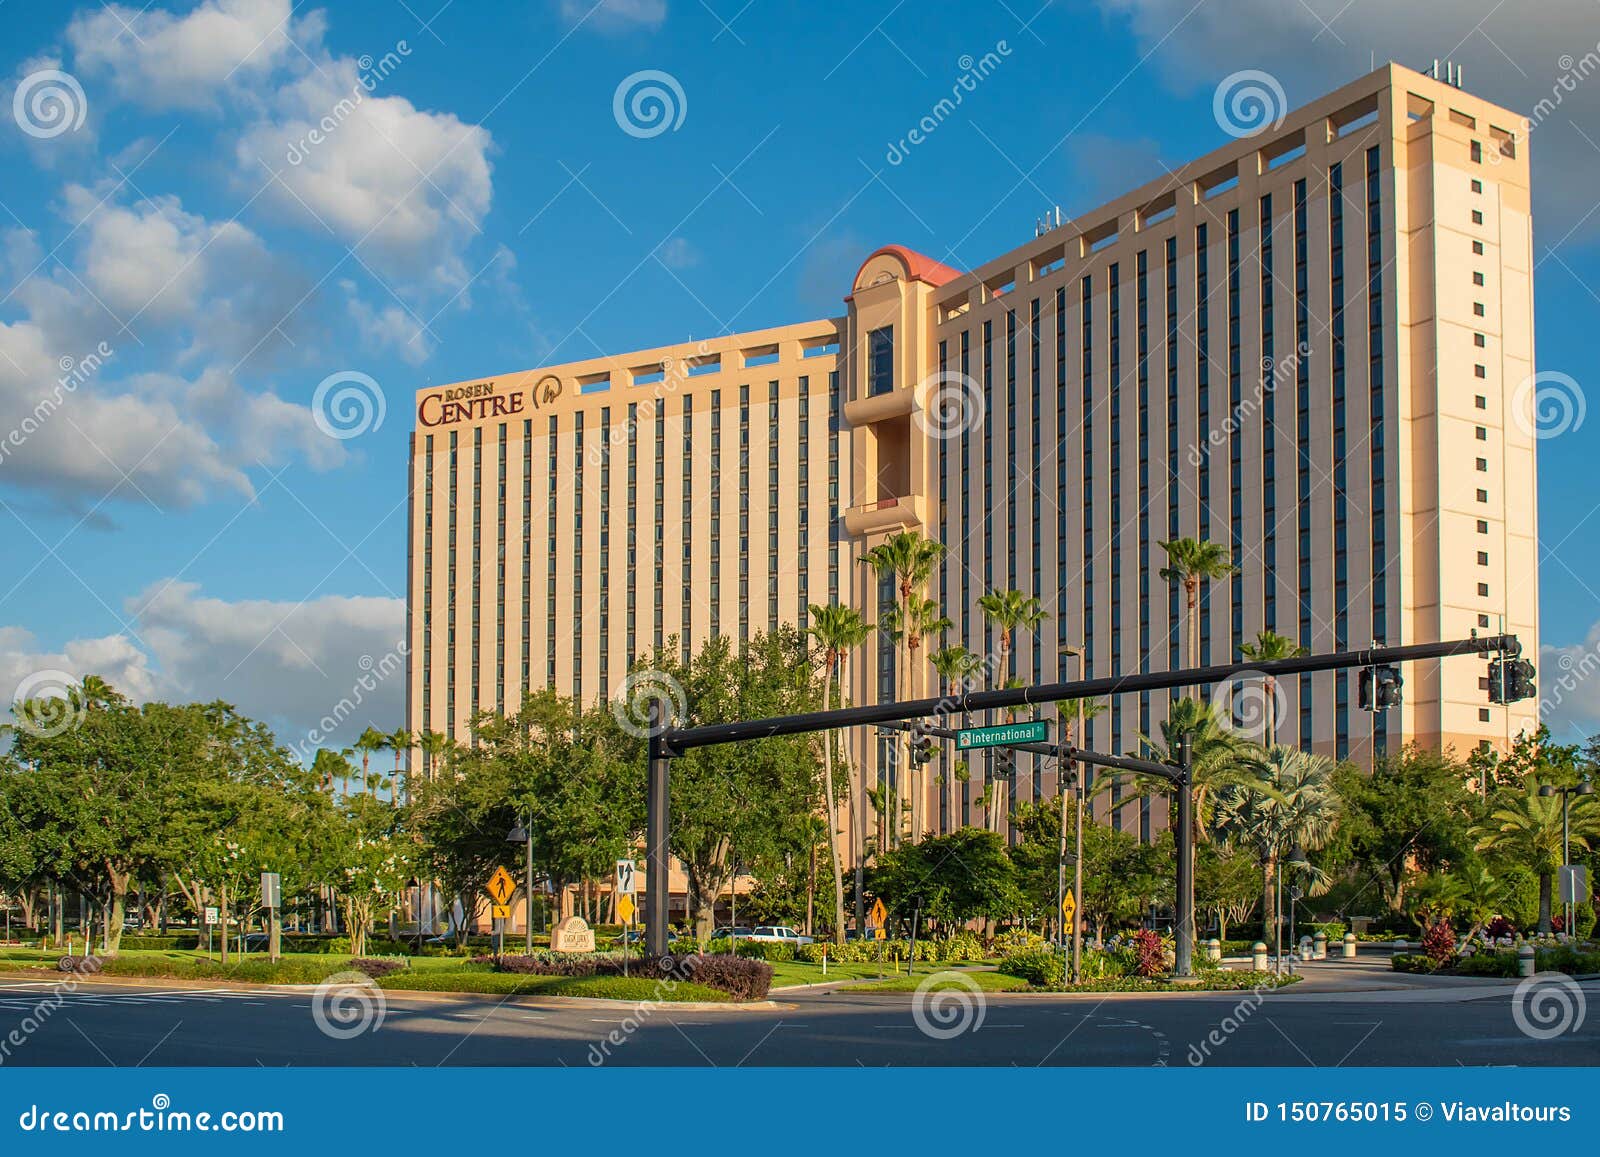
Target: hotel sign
x=479 y=401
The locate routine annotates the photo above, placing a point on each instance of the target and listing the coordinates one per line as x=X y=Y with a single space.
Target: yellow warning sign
x=500 y=911
x=625 y=908
x=501 y=885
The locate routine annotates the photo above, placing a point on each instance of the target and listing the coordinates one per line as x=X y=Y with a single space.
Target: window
x=1478 y=340
x=1477 y=248
x=1477 y=153
x=1483 y=526
x=1483 y=715
x=1477 y=279
x=1483 y=465
x=1483 y=496
x=1483 y=590
x=1477 y=185
x=1477 y=309
x=880 y=361
x=1481 y=402
x=1483 y=620
x=1483 y=558
x=1482 y=433
x=1480 y=371
x=1477 y=216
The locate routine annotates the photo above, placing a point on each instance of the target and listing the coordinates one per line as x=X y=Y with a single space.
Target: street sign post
x=1004 y=735
x=627 y=876
x=1574 y=884
x=272 y=901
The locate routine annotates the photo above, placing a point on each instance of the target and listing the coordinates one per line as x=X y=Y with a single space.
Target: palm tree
x=1189 y=561
x=913 y=621
x=957 y=668
x=433 y=744
x=1070 y=709
x=838 y=631
x=368 y=743
x=400 y=741
x=1526 y=826
x=1294 y=803
x=1009 y=611
x=908 y=558
x=1270 y=645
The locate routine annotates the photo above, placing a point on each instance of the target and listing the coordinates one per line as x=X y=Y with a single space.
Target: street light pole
x=1566 y=794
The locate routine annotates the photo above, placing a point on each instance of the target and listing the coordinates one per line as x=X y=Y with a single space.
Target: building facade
x=1310 y=346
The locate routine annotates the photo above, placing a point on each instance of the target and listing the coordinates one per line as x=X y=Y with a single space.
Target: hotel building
x=1306 y=347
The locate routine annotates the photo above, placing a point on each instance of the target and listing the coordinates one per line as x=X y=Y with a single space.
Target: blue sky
x=181 y=523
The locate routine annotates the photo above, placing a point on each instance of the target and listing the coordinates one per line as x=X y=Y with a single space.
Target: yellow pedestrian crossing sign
x=499 y=911
x=501 y=885
x=1069 y=905
x=625 y=908
x=876 y=918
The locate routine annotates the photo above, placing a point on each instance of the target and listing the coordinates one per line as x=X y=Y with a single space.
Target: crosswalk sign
x=1069 y=905
x=501 y=885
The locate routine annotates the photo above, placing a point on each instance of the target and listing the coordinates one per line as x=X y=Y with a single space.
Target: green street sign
x=1035 y=731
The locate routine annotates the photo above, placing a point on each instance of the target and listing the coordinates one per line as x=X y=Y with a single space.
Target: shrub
x=1016 y=940
x=741 y=978
x=1488 y=964
x=1042 y=967
x=766 y=950
x=1150 y=957
x=1439 y=942
x=1334 y=930
x=1412 y=962
x=1568 y=959
x=138 y=943
x=376 y=967
x=1499 y=927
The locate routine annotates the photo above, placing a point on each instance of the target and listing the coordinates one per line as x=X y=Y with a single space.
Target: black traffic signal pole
x=667 y=742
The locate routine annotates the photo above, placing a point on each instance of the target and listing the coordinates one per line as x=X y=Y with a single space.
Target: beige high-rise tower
x=1309 y=347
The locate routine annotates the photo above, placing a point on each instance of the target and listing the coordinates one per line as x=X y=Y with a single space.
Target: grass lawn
x=987 y=981
x=790 y=972
x=293 y=967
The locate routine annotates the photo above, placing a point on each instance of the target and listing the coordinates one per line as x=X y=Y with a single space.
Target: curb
x=51 y=976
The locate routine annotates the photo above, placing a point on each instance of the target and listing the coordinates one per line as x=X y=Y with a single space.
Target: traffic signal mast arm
x=675 y=741
x=1063 y=751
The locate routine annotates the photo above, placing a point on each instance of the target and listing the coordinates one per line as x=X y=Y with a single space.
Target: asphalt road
x=1361 y=1024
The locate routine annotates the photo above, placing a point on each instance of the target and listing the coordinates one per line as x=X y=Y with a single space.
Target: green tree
x=1294 y=803
x=369 y=743
x=1525 y=827
x=906 y=558
x=838 y=631
x=1009 y=611
x=949 y=880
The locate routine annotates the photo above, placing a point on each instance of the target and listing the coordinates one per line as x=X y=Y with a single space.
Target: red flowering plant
x=1149 y=957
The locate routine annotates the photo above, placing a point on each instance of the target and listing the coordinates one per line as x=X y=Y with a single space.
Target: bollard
x=1305 y=948
x=1213 y=949
x=1319 y=946
x=1258 y=956
x=1349 y=945
x=1525 y=963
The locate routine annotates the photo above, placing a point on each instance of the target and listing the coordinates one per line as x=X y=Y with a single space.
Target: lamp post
x=1566 y=794
x=417 y=885
x=1296 y=858
x=523 y=834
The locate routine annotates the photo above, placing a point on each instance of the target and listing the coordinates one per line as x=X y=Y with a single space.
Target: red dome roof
x=919 y=266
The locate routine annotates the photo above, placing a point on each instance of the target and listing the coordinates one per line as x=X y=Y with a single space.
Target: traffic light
x=1379 y=688
x=1511 y=680
x=921 y=751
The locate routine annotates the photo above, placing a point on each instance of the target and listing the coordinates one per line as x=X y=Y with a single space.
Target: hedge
x=740 y=978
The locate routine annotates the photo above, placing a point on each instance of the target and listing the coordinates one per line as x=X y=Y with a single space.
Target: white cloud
x=1511 y=56
x=297 y=666
x=157 y=284
x=161 y=60
x=678 y=253
x=407 y=188
x=1569 y=687
x=390 y=327
x=615 y=15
